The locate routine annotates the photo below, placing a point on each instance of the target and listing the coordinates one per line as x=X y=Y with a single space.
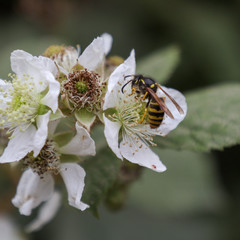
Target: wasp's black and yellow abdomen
x=155 y=114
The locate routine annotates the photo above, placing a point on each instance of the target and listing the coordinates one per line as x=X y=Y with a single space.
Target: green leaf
x=189 y=185
x=85 y=117
x=212 y=122
x=160 y=64
x=101 y=173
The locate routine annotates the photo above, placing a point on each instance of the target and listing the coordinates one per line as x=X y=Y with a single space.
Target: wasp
x=155 y=107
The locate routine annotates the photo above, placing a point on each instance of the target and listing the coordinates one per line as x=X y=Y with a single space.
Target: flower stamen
x=48 y=160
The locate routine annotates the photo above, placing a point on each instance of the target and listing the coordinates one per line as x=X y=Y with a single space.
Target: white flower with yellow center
x=26 y=104
x=126 y=136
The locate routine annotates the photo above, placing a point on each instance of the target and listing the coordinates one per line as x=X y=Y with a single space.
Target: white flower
x=91 y=57
x=26 y=104
x=33 y=189
x=84 y=83
x=124 y=122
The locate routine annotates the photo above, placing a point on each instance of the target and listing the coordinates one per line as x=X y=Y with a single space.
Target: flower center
x=83 y=89
x=48 y=160
x=20 y=101
x=129 y=113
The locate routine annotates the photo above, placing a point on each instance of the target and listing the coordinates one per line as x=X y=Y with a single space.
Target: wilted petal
x=93 y=55
x=73 y=176
x=19 y=145
x=111 y=132
x=46 y=213
x=41 y=133
x=51 y=98
x=107 y=42
x=32 y=191
x=116 y=81
x=81 y=144
x=142 y=155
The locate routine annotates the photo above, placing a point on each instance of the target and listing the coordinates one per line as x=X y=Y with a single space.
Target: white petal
x=24 y=63
x=142 y=155
x=41 y=133
x=73 y=175
x=32 y=191
x=111 y=132
x=81 y=144
x=19 y=145
x=51 y=98
x=169 y=124
x=46 y=213
x=107 y=42
x=116 y=81
x=93 y=55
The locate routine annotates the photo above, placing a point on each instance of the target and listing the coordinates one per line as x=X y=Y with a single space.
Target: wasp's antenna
x=126 y=83
x=128 y=76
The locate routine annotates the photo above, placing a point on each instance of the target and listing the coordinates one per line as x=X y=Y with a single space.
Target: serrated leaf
x=101 y=173
x=160 y=64
x=212 y=122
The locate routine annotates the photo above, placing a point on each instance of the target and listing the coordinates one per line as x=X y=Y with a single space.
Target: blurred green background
x=198 y=196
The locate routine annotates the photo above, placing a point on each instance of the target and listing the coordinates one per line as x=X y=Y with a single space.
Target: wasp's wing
x=160 y=102
x=173 y=101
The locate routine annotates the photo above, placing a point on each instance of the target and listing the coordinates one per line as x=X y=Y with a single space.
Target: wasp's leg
x=145 y=111
x=133 y=91
x=144 y=97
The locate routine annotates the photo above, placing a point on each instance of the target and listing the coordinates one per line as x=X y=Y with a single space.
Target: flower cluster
x=81 y=90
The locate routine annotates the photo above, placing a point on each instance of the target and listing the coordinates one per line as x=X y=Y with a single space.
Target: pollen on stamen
x=21 y=100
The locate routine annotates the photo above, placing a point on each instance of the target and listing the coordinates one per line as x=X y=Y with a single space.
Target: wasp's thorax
x=83 y=89
x=48 y=160
x=140 y=84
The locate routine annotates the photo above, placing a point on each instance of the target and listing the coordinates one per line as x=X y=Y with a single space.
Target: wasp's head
x=138 y=83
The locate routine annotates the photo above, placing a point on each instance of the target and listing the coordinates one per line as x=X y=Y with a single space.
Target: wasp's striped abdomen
x=155 y=114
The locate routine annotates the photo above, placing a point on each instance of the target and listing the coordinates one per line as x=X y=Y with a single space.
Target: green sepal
x=57 y=115
x=62 y=138
x=69 y=158
x=85 y=118
x=109 y=112
x=42 y=109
